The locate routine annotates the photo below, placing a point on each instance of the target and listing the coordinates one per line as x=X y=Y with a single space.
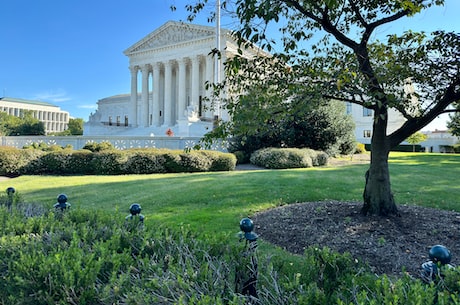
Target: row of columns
x=170 y=98
x=54 y=121
x=41 y=115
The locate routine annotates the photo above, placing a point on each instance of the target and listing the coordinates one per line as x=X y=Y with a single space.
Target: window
x=348 y=107
x=366 y=133
x=367 y=111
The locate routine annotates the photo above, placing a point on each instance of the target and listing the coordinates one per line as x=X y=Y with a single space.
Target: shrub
x=242 y=157
x=360 y=148
x=220 y=161
x=277 y=158
x=97 y=147
x=109 y=162
x=145 y=162
x=457 y=148
x=14 y=162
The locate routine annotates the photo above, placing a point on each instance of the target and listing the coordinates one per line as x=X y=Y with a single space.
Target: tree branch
x=324 y=21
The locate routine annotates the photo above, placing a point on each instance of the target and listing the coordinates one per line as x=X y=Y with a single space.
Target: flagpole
x=217 y=60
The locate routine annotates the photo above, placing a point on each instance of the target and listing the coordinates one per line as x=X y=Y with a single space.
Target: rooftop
x=23 y=101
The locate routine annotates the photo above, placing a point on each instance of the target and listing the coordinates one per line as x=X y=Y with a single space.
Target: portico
x=172 y=90
x=169 y=72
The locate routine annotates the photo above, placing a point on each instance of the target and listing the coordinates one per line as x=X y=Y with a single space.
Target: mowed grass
x=214 y=203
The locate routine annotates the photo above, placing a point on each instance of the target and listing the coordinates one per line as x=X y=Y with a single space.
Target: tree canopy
x=20 y=126
x=415 y=73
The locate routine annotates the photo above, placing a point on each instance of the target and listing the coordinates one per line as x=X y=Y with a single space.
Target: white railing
x=119 y=142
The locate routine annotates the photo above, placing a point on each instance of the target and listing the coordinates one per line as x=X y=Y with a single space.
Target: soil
x=389 y=245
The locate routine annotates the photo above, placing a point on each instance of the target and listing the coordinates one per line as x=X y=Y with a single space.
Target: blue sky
x=70 y=52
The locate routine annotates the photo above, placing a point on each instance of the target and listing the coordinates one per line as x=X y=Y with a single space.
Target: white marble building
x=169 y=69
x=54 y=119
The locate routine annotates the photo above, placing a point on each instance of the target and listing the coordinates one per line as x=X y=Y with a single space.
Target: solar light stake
x=10 y=193
x=440 y=258
x=246 y=275
x=62 y=203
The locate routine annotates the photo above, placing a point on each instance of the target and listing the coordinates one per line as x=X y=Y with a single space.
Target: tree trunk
x=378 y=198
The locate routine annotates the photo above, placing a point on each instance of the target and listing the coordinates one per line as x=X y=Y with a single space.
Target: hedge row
x=278 y=158
x=111 y=162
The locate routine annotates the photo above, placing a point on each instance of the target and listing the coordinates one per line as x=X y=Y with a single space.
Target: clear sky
x=70 y=52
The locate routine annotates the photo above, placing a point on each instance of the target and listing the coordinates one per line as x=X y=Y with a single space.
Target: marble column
x=195 y=82
x=156 y=94
x=167 y=94
x=181 y=99
x=133 y=119
x=145 y=96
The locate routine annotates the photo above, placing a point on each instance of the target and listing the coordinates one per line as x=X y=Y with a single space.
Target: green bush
x=220 y=161
x=147 y=161
x=15 y=161
x=242 y=157
x=97 y=147
x=457 y=148
x=278 y=158
x=360 y=148
x=111 y=161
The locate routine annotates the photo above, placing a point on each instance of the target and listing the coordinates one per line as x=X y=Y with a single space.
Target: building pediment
x=171 y=33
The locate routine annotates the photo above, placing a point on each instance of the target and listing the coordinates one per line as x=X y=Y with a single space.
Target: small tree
x=416 y=138
x=76 y=126
x=349 y=64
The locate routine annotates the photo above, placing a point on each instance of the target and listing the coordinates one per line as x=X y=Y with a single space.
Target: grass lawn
x=214 y=203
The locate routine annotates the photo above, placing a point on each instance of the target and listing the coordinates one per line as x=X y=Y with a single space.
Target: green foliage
x=96 y=147
x=242 y=157
x=415 y=74
x=95 y=257
x=24 y=125
x=107 y=161
x=76 y=126
x=45 y=147
x=15 y=161
x=360 y=148
x=276 y=158
x=454 y=122
x=186 y=253
x=416 y=138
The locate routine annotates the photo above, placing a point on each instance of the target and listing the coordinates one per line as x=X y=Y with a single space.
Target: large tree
x=347 y=61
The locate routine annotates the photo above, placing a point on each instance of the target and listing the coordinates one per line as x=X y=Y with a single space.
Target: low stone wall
x=118 y=142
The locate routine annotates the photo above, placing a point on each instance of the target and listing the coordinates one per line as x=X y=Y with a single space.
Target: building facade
x=54 y=119
x=169 y=69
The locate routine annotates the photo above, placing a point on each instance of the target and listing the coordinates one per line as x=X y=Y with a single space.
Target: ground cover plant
x=200 y=212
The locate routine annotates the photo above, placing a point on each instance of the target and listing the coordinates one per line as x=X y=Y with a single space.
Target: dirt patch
x=388 y=244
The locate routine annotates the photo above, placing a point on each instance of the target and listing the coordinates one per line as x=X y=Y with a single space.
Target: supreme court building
x=169 y=71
